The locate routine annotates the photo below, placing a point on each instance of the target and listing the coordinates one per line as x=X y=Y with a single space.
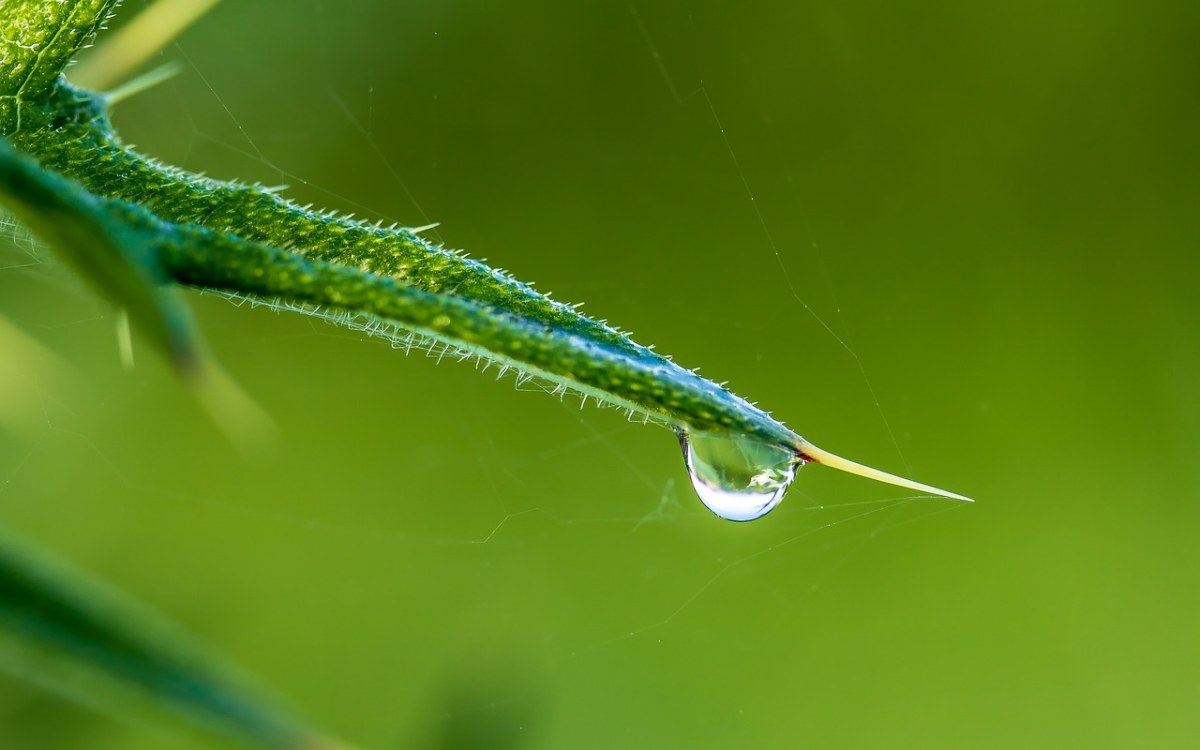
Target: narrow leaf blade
x=70 y=635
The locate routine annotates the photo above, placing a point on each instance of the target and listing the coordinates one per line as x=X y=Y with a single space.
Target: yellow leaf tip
x=810 y=452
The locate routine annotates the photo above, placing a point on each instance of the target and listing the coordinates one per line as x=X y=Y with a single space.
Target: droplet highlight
x=739 y=479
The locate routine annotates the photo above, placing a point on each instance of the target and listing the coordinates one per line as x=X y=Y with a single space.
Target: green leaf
x=126 y=221
x=70 y=635
x=251 y=242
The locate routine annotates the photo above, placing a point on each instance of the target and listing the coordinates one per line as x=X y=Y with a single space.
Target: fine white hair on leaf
x=410 y=341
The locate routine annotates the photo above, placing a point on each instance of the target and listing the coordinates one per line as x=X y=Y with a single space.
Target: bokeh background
x=970 y=257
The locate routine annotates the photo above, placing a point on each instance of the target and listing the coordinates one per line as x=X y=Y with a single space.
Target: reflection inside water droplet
x=737 y=478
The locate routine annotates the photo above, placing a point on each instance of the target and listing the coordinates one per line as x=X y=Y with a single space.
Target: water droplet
x=739 y=479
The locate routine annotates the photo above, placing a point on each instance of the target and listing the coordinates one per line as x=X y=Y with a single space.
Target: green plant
x=138 y=230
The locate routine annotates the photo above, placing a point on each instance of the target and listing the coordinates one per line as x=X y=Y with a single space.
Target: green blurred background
x=971 y=257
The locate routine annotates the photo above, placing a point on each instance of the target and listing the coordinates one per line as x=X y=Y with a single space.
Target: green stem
x=624 y=375
x=37 y=40
x=247 y=240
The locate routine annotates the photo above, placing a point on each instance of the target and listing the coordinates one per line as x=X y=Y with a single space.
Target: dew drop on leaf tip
x=741 y=479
